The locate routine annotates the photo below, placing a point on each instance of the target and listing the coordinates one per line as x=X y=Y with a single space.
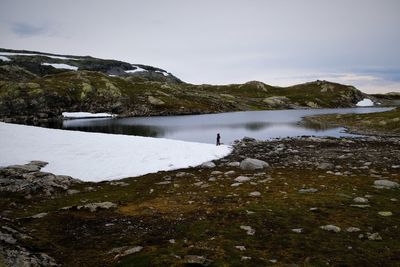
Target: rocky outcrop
x=28 y=179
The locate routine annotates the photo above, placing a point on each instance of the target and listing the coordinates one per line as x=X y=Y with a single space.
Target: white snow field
x=138 y=69
x=60 y=66
x=83 y=115
x=96 y=156
x=3 y=58
x=365 y=103
x=43 y=55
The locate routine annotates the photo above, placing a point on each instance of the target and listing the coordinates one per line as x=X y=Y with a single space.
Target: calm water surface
x=231 y=125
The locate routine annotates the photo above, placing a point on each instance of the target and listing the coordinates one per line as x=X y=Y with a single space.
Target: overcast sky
x=279 y=42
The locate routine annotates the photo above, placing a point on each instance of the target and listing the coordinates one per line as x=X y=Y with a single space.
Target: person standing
x=218 y=139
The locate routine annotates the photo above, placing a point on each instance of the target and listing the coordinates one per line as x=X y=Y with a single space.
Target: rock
x=374 y=236
x=297 y=230
x=208 y=164
x=116 y=183
x=326 y=166
x=195 y=259
x=248 y=229
x=385 y=213
x=72 y=191
x=155 y=101
x=255 y=194
x=100 y=205
x=229 y=173
x=253 y=164
x=39 y=215
x=360 y=200
x=385 y=184
x=7 y=238
x=183 y=174
x=216 y=173
x=233 y=164
x=331 y=228
x=308 y=190
x=361 y=206
x=236 y=184
x=241 y=179
x=352 y=229
x=241 y=248
x=132 y=251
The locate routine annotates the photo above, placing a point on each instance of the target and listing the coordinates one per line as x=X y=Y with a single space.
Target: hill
x=37 y=86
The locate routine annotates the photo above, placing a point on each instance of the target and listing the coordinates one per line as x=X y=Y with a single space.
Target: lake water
x=231 y=125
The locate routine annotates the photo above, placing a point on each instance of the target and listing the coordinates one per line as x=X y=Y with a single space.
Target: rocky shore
x=286 y=202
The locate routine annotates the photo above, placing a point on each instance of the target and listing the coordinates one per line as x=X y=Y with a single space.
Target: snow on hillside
x=3 y=58
x=81 y=115
x=61 y=66
x=98 y=157
x=138 y=69
x=42 y=55
x=365 y=103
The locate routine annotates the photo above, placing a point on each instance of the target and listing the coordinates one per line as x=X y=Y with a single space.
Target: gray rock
x=255 y=194
x=39 y=215
x=352 y=229
x=241 y=179
x=374 y=236
x=229 y=173
x=208 y=164
x=253 y=164
x=360 y=200
x=331 y=228
x=386 y=184
x=233 y=164
x=308 y=190
x=100 y=205
x=7 y=238
x=326 y=166
x=195 y=259
x=248 y=229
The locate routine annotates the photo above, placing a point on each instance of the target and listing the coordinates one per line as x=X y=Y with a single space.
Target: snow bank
x=365 y=103
x=138 y=69
x=3 y=58
x=82 y=115
x=96 y=156
x=60 y=66
x=43 y=55
x=162 y=72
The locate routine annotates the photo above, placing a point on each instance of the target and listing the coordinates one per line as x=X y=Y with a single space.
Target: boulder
x=250 y=164
x=208 y=164
x=386 y=184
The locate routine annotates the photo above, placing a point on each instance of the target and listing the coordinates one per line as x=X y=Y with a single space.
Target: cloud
x=27 y=30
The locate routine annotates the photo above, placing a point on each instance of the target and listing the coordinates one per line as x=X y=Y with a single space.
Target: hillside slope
x=40 y=86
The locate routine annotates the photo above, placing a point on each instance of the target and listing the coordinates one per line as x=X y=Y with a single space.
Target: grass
x=384 y=123
x=206 y=221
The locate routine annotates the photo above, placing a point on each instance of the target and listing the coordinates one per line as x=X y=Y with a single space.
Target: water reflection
x=231 y=126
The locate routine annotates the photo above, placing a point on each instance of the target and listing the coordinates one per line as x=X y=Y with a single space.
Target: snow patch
x=81 y=115
x=3 y=58
x=138 y=69
x=43 y=55
x=61 y=66
x=365 y=103
x=96 y=156
x=162 y=72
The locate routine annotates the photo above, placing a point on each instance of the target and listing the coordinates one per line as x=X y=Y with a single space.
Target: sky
x=279 y=42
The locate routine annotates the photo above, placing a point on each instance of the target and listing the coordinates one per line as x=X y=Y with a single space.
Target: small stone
x=242 y=179
x=309 y=190
x=297 y=230
x=248 y=229
x=385 y=184
x=39 y=215
x=132 y=250
x=241 y=248
x=255 y=194
x=195 y=259
x=171 y=241
x=233 y=164
x=374 y=236
x=229 y=173
x=236 y=184
x=208 y=164
x=216 y=173
x=331 y=228
x=385 y=213
x=352 y=229
x=360 y=200
x=326 y=166
x=72 y=191
x=361 y=206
